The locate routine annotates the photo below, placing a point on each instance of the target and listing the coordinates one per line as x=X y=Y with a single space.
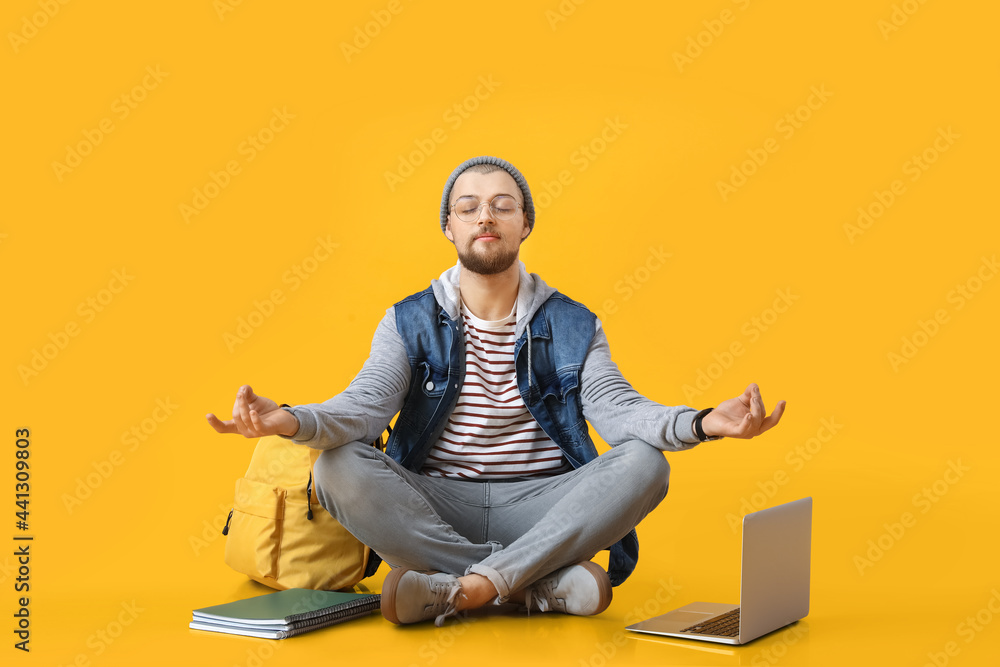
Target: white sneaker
x=583 y=589
x=410 y=596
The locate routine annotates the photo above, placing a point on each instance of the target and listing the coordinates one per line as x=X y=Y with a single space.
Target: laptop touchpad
x=687 y=616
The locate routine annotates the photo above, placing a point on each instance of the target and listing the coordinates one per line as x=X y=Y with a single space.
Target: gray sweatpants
x=512 y=532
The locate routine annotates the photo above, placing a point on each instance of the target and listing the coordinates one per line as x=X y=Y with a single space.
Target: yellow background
x=142 y=547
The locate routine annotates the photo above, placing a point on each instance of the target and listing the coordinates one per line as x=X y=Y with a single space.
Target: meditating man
x=490 y=489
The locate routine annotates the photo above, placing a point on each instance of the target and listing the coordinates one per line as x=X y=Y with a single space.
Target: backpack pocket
x=253 y=546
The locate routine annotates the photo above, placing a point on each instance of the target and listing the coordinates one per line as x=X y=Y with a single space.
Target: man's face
x=486 y=246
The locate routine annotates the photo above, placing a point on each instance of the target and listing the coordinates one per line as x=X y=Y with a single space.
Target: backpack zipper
x=309 y=484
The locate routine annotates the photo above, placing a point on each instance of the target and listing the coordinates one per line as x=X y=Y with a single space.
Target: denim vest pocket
x=561 y=385
x=426 y=389
x=433 y=381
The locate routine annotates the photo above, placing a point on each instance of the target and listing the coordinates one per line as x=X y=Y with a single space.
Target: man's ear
x=527 y=229
x=447 y=230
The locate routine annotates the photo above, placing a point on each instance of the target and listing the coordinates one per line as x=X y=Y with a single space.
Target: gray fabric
x=511 y=532
x=612 y=407
x=529 y=204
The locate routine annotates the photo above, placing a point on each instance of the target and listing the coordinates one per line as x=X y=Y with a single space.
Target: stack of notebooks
x=284 y=613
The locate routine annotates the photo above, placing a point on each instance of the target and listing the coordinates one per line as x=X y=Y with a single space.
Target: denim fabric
x=512 y=532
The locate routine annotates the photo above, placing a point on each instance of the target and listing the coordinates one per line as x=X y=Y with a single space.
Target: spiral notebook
x=284 y=613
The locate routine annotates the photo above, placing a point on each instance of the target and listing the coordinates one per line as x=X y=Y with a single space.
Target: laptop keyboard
x=727 y=625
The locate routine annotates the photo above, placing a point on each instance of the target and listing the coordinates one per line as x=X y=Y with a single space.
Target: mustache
x=473 y=239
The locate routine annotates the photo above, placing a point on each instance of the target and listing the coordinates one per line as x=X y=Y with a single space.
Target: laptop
x=774 y=583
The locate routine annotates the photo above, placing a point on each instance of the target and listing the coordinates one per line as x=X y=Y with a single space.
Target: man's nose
x=485 y=209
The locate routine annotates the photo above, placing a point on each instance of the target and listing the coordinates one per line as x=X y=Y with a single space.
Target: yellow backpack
x=279 y=534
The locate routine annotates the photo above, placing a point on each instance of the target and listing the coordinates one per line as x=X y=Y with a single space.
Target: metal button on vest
x=429 y=386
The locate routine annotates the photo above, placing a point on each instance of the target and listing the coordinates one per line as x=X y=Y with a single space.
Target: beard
x=494 y=257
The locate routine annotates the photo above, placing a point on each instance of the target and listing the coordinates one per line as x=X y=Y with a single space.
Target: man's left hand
x=743 y=416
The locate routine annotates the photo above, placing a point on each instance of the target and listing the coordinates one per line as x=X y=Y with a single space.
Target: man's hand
x=255 y=416
x=743 y=416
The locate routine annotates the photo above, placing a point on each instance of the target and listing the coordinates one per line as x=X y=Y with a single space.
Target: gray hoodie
x=612 y=407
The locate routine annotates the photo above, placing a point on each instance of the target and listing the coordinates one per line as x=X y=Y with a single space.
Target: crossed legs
x=498 y=536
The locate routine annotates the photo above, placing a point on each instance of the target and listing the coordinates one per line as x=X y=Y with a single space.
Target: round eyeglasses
x=468 y=209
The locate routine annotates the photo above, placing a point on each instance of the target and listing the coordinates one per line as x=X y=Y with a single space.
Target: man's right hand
x=255 y=416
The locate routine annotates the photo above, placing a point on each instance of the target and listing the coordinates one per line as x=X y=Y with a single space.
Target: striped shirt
x=490 y=434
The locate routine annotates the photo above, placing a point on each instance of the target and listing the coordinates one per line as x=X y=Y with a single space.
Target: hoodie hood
x=532 y=292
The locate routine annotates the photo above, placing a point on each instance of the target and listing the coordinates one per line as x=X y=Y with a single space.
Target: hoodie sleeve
x=619 y=413
x=364 y=409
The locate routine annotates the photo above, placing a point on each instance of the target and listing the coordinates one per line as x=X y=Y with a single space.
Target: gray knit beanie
x=529 y=205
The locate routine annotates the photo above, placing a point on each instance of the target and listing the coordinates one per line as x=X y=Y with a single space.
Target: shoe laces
x=446 y=596
x=539 y=595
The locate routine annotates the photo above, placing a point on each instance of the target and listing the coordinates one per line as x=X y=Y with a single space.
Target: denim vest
x=548 y=378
